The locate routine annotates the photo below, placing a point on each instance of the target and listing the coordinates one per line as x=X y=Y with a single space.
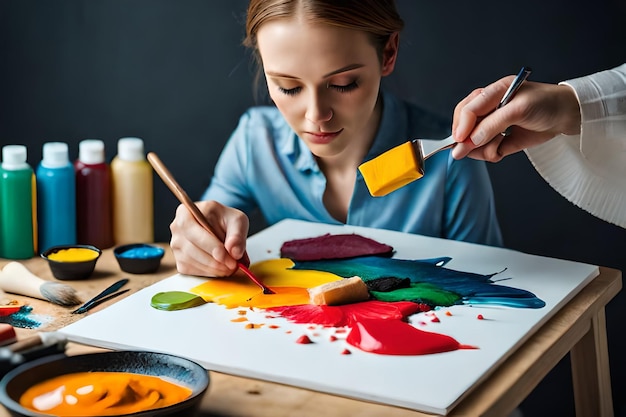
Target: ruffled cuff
x=599 y=189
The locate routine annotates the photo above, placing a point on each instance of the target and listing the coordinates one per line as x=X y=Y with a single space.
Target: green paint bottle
x=17 y=205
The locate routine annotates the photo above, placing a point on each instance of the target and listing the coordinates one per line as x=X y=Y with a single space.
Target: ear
x=390 y=54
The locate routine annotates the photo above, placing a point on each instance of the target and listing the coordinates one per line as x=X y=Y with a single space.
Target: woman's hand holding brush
x=198 y=252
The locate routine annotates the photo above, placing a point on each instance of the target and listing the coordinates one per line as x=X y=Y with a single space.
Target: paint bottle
x=133 y=198
x=56 y=197
x=93 y=195
x=18 y=218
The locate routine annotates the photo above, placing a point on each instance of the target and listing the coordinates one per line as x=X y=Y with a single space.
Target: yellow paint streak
x=289 y=285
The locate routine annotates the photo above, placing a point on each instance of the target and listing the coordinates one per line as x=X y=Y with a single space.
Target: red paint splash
x=304 y=340
x=377 y=327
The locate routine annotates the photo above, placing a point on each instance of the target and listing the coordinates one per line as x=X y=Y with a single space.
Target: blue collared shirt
x=266 y=166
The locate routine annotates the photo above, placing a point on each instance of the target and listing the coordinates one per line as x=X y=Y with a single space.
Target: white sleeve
x=590 y=169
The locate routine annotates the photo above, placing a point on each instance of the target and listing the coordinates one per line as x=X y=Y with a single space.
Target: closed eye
x=345 y=88
x=290 y=91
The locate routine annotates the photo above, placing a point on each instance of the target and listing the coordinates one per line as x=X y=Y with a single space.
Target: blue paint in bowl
x=139 y=258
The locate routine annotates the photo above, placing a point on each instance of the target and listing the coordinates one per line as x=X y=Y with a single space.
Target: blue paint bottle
x=56 y=197
x=18 y=219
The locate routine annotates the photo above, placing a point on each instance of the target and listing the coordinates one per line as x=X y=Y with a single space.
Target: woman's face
x=325 y=81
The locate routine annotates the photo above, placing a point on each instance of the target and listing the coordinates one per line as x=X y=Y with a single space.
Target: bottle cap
x=14 y=157
x=91 y=151
x=130 y=149
x=55 y=155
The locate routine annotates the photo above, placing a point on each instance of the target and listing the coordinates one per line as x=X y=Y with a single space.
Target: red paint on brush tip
x=304 y=340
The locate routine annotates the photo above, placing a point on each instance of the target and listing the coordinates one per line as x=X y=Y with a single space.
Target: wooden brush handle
x=178 y=191
x=17 y=279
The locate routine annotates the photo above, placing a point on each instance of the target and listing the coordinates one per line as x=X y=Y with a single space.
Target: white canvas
x=429 y=383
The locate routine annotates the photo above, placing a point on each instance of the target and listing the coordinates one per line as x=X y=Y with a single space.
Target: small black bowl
x=68 y=270
x=139 y=258
x=172 y=368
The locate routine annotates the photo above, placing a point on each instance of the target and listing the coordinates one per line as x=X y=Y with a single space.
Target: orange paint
x=102 y=394
x=239 y=319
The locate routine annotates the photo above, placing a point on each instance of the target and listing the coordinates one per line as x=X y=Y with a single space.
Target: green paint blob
x=420 y=293
x=175 y=300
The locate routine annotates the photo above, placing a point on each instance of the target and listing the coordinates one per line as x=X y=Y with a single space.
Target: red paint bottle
x=93 y=195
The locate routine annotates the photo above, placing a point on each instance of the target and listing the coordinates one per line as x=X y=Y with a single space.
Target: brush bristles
x=58 y=293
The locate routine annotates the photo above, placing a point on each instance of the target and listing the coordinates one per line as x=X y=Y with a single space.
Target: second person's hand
x=198 y=252
x=537 y=113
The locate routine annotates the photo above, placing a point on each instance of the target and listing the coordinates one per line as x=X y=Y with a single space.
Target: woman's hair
x=378 y=18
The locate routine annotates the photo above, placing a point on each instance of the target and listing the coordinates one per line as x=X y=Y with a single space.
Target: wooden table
x=579 y=328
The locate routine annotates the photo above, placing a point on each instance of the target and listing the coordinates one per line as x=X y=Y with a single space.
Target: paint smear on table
x=24 y=319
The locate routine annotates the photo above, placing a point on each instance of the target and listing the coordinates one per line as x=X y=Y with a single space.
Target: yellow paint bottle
x=132 y=192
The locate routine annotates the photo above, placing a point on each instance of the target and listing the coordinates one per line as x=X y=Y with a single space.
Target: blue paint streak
x=469 y=285
x=21 y=319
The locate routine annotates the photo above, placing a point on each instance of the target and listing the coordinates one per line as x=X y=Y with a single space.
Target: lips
x=321 y=137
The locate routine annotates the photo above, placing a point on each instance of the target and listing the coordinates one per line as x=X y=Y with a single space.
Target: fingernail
x=478 y=138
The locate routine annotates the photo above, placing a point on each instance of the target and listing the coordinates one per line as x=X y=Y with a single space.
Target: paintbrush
x=182 y=196
x=106 y=294
x=15 y=278
x=404 y=164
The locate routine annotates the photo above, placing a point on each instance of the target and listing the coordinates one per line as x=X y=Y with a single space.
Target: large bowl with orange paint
x=175 y=369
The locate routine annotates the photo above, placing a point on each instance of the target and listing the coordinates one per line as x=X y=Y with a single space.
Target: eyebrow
x=335 y=72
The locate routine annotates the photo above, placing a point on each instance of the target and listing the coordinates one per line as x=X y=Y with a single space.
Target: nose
x=317 y=111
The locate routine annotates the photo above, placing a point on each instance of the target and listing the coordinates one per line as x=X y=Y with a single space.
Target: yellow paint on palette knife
x=290 y=286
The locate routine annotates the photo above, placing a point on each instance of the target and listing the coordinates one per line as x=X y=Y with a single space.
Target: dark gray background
x=173 y=73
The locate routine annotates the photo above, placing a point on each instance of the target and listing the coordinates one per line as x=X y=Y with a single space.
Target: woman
x=323 y=62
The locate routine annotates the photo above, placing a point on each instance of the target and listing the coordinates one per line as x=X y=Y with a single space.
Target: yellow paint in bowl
x=73 y=255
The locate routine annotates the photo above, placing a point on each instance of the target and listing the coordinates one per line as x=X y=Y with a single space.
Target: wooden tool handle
x=17 y=279
x=178 y=191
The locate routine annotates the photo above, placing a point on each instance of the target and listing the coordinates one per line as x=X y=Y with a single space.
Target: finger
x=485 y=153
x=503 y=146
x=521 y=139
x=230 y=226
x=457 y=114
x=480 y=105
x=462 y=149
x=194 y=260
x=197 y=246
x=236 y=234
